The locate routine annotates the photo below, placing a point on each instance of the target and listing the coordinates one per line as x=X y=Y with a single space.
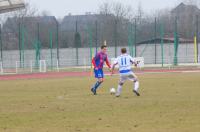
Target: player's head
x=123 y=50
x=104 y=48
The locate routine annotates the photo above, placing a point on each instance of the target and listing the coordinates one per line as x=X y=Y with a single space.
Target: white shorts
x=127 y=76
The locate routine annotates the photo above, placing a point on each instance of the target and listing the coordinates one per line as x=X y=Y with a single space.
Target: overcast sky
x=60 y=8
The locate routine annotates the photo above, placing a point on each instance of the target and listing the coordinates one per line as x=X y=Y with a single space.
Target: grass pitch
x=169 y=102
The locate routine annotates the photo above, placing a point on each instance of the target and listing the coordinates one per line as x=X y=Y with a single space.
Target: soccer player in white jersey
x=125 y=61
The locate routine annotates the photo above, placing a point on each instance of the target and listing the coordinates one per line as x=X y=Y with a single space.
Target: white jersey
x=124 y=61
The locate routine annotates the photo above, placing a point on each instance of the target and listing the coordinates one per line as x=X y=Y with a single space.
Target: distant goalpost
x=29 y=67
x=43 y=66
x=1 y=67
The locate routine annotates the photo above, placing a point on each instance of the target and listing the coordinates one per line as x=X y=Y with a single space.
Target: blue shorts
x=98 y=73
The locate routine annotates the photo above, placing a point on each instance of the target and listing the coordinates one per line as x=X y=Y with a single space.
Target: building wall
x=68 y=55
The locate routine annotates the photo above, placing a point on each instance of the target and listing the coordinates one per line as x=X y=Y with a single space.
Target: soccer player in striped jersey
x=98 y=62
x=125 y=61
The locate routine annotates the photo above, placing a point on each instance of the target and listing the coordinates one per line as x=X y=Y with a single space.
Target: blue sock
x=97 y=84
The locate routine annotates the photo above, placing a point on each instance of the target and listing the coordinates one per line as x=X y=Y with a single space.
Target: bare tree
x=28 y=11
x=121 y=11
x=140 y=13
x=105 y=8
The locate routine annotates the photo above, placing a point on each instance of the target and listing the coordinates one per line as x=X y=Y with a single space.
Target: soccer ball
x=112 y=91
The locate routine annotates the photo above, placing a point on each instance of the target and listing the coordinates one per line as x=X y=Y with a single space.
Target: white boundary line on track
x=186 y=71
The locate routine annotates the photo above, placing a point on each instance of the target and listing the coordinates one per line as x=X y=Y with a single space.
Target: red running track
x=84 y=74
x=44 y=75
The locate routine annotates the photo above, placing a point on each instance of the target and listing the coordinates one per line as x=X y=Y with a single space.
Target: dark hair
x=123 y=50
x=103 y=46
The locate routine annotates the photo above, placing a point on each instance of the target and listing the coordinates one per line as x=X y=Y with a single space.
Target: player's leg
x=134 y=78
x=100 y=79
x=119 y=89
x=121 y=82
x=96 y=85
x=99 y=75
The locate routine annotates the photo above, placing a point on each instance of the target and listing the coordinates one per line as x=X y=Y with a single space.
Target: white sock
x=119 y=90
x=136 y=87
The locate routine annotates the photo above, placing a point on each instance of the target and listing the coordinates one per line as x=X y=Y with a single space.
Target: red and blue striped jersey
x=99 y=59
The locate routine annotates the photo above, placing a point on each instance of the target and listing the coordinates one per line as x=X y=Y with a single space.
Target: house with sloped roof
x=183 y=10
x=187 y=18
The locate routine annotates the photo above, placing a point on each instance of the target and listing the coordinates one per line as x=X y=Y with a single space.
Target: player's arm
x=94 y=61
x=134 y=61
x=108 y=63
x=113 y=67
